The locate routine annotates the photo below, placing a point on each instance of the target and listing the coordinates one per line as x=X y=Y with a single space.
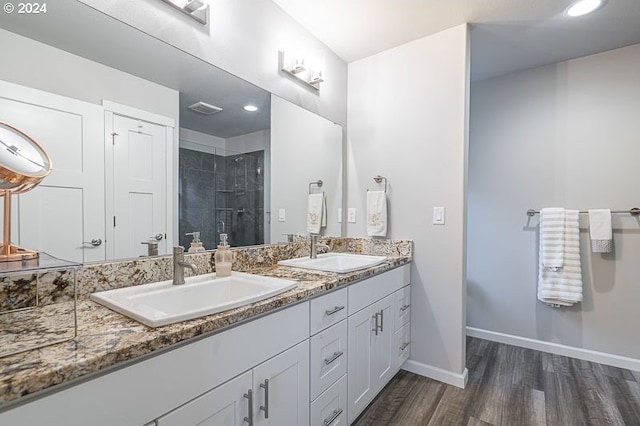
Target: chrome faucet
x=179 y=264
x=315 y=245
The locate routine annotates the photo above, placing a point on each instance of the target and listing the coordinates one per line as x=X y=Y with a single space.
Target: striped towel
x=561 y=285
x=552 y=224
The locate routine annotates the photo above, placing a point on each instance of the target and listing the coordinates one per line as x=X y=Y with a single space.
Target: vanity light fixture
x=250 y=108
x=296 y=67
x=583 y=7
x=197 y=9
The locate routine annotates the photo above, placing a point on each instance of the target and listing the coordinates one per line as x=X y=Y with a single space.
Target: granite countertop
x=106 y=338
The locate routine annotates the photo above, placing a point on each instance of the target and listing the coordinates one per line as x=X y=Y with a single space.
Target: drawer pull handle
x=249 y=396
x=265 y=407
x=404 y=308
x=333 y=357
x=404 y=346
x=333 y=417
x=376 y=326
x=334 y=310
x=381 y=320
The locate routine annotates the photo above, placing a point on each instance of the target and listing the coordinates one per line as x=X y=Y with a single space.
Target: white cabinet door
x=360 y=361
x=371 y=353
x=226 y=405
x=382 y=344
x=281 y=388
x=139 y=186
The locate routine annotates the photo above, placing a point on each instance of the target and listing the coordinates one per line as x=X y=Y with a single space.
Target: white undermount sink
x=163 y=303
x=335 y=262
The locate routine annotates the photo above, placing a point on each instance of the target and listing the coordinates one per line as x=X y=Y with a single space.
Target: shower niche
x=222 y=192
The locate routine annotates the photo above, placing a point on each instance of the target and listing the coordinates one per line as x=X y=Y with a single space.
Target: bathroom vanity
x=316 y=354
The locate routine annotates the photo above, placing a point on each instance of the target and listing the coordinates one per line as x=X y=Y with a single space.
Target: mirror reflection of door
x=139 y=187
x=67 y=209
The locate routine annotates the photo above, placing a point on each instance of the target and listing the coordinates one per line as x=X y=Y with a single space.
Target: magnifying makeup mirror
x=23 y=165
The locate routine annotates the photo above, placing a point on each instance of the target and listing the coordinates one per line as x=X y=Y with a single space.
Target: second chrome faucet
x=179 y=264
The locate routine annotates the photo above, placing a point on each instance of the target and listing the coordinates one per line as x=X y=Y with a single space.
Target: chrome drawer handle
x=265 y=407
x=381 y=320
x=404 y=346
x=333 y=357
x=333 y=417
x=334 y=310
x=404 y=308
x=249 y=396
x=376 y=326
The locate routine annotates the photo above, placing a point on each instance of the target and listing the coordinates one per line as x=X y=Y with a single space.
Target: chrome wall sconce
x=296 y=67
x=197 y=9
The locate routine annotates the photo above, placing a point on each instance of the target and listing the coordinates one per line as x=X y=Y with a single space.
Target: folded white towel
x=562 y=286
x=376 y=213
x=552 y=224
x=600 y=230
x=316 y=213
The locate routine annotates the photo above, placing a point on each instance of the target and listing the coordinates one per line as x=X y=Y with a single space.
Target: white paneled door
x=65 y=213
x=139 y=185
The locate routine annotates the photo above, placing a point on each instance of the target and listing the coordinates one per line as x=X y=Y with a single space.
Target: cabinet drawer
x=328 y=357
x=402 y=307
x=372 y=289
x=330 y=408
x=402 y=345
x=328 y=310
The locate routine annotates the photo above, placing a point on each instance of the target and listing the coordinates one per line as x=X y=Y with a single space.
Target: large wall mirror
x=132 y=163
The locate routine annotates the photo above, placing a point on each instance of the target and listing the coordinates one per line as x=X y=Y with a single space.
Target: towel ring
x=318 y=182
x=379 y=179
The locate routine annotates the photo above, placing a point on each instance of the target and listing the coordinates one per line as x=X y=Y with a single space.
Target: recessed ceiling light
x=250 y=108
x=583 y=7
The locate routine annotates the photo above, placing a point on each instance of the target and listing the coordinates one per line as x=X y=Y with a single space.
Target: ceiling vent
x=204 y=108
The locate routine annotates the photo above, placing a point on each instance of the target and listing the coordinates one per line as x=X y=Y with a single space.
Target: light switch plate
x=281 y=215
x=339 y=214
x=438 y=215
x=351 y=215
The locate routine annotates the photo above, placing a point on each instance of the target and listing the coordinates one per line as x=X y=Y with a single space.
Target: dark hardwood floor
x=509 y=385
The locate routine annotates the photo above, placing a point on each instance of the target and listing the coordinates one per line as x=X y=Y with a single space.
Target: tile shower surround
x=232 y=187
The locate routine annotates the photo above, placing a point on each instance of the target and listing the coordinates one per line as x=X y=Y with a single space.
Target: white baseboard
x=556 y=348
x=448 y=377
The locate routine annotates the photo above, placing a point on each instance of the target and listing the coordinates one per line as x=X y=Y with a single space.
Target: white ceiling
x=506 y=36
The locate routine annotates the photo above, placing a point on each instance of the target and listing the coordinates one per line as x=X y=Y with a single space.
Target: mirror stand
x=8 y=251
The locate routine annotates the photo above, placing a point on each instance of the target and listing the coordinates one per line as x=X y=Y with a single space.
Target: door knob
x=94 y=243
x=158 y=236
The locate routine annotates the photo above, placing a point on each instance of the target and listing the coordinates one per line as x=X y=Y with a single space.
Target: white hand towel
x=562 y=286
x=316 y=213
x=552 y=224
x=376 y=213
x=600 y=230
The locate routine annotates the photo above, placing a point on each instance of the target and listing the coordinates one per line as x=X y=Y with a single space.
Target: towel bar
x=379 y=179
x=635 y=211
x=317 y=182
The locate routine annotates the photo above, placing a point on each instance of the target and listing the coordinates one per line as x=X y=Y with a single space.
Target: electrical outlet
x=339 y=214
x=281 y=215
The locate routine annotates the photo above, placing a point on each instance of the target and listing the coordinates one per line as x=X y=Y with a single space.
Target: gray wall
x=243 y=37
x=561 y=135
x=407 y=121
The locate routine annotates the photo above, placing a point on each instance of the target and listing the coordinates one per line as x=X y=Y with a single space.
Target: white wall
x=43 y=67
x=243 y=37
x=407 y=121
x=560 y=135
x=304 y=148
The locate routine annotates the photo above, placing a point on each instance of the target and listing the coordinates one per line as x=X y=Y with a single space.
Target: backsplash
x=20 y=291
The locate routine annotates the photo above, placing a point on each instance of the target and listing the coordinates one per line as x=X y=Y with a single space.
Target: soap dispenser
x=223 y=258
x=196 y=244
